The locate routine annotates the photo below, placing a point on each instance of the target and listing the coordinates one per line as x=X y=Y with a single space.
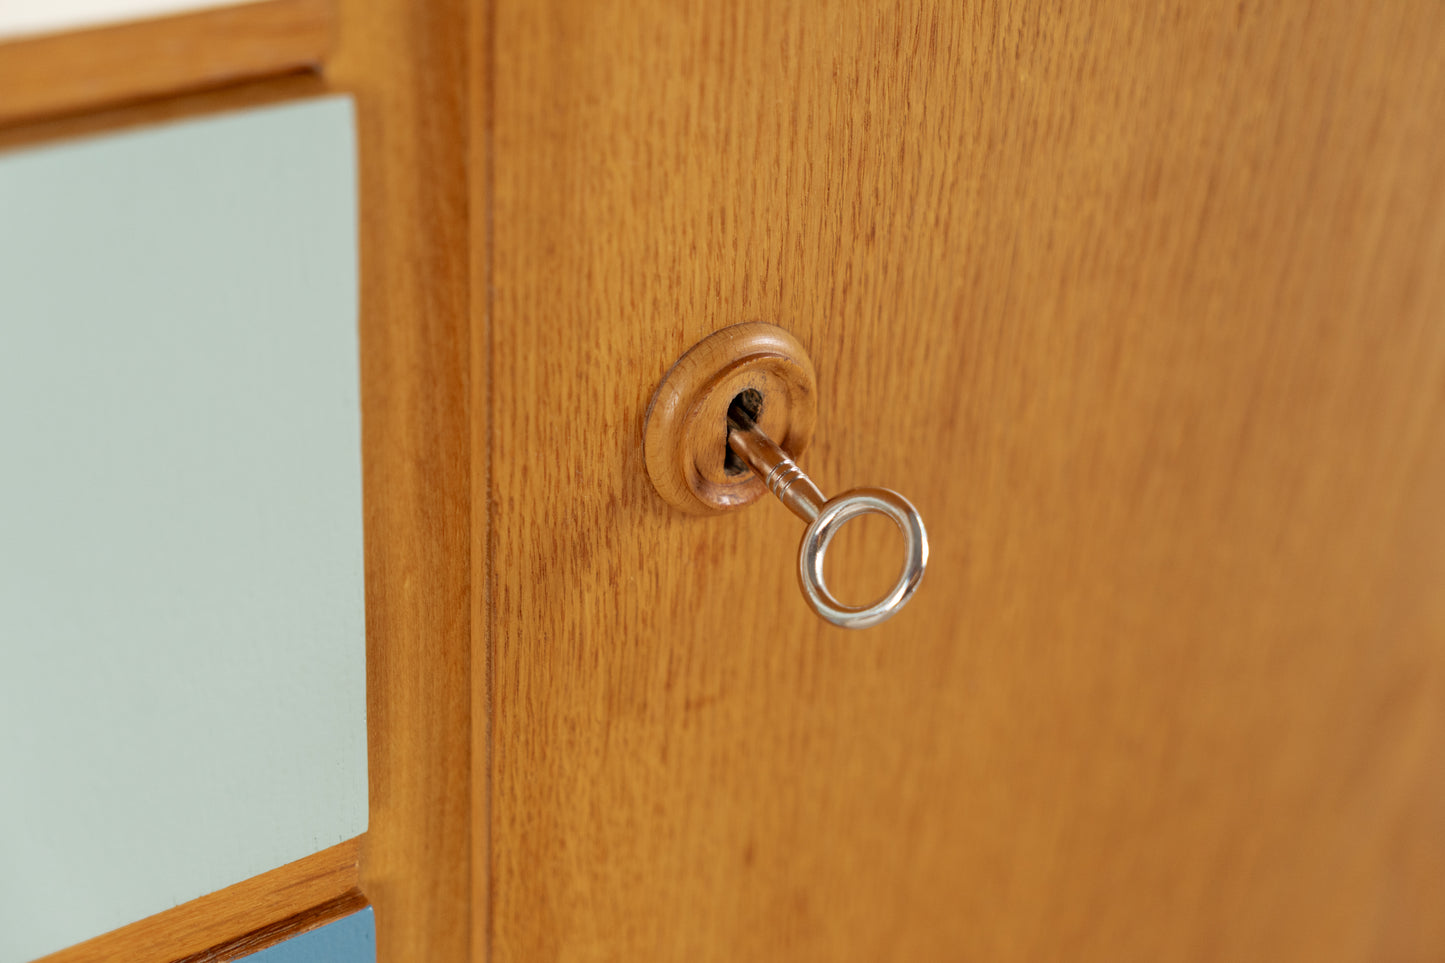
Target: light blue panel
x=182 y=657
x=351 y=939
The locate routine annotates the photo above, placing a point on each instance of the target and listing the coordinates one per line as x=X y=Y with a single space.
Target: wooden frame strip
x=407 y=65
x=239 y=919
x=64 y=73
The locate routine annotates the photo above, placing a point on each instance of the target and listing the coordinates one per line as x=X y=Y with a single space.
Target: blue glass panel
x=351 y=939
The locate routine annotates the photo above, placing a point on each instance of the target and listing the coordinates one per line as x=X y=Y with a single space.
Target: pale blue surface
x=351 y=939
x=182 y=651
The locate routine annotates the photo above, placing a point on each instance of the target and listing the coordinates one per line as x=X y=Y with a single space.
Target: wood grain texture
x=407 y=65
x=89 y=69
x=239 y=919
x=1143 y=306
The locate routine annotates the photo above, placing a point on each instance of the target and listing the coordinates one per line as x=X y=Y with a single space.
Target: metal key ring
x=814 y=548
x=824 y=517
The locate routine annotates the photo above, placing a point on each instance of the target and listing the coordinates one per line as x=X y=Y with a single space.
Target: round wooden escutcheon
x=684 y=439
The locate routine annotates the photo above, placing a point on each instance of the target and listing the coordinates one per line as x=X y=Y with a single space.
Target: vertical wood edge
x=483 y=82
x=406 y=66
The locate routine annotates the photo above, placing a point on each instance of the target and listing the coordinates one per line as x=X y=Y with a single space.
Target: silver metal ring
x=836 y=511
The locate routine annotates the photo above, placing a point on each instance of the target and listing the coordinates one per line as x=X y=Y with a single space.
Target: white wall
x=25 y=17
x=182 y=655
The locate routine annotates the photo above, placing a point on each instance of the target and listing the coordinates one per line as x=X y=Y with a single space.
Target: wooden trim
x=281 y=930
x=406 y=63
x=238 y=919
x=88 y=69
x=208 y=103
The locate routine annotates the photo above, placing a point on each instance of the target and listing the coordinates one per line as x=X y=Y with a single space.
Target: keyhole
x=751 y=401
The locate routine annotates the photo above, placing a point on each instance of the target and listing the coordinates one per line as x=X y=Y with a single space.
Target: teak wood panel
x=1143 y=306
x=85 y=70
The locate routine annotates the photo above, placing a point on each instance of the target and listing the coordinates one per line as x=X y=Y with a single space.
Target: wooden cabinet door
x=1144 y=307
